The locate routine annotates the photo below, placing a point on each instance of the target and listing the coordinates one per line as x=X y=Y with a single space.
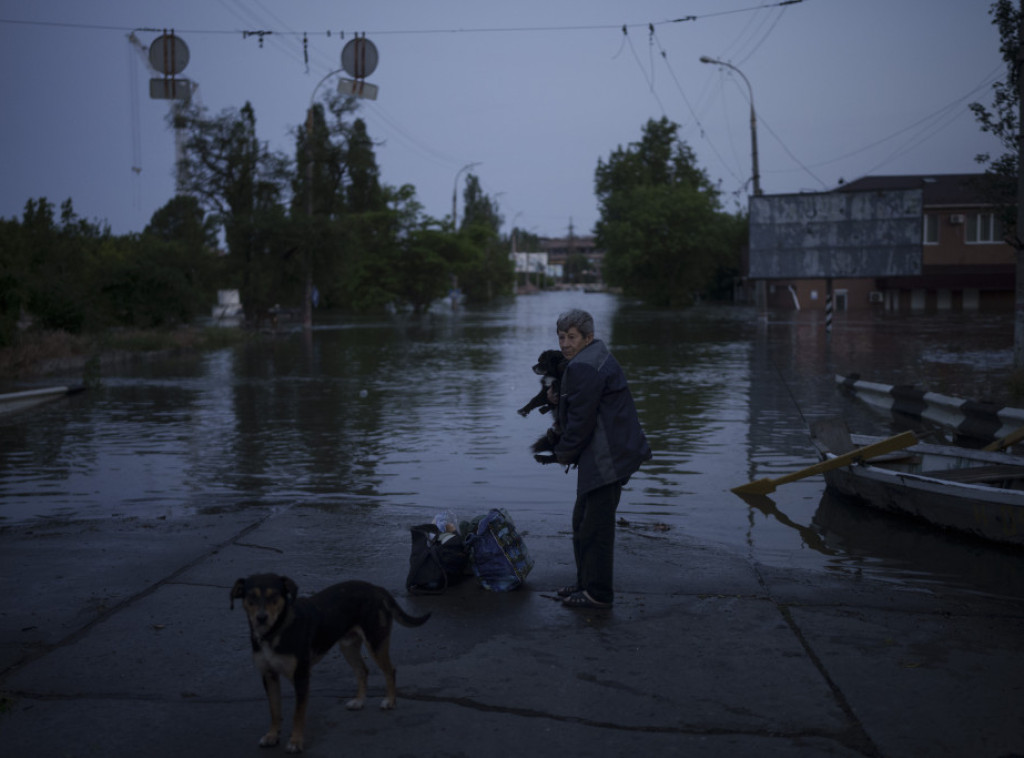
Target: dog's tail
x=402 y=617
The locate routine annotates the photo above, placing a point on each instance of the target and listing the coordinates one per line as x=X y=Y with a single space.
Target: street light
x=455 y=189
x=753 y=120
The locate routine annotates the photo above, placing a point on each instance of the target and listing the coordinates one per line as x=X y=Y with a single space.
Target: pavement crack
x=859 y=737
x=532 y=713
x=259 y=547
x=109 y=612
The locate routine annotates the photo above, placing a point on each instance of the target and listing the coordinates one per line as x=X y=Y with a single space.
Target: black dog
x=549 y=367
x=291 y=634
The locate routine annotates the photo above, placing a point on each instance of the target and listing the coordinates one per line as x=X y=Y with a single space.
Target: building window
x=984 y=228
x=931 y=229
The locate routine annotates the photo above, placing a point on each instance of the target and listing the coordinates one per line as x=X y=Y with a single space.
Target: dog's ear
x=237 y=592
x=291 y=589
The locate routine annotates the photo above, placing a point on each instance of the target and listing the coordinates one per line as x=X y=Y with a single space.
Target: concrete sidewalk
x=116 y=640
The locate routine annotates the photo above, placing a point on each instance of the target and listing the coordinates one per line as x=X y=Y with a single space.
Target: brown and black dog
x=291 y=634
x=549 y=367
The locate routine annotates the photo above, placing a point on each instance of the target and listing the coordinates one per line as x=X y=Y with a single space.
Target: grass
x=38 y=353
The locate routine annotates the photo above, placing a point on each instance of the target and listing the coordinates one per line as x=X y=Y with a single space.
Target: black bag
x=435 y=564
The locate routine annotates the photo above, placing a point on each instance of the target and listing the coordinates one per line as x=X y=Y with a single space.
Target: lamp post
x=753 y=120
x=455 y=189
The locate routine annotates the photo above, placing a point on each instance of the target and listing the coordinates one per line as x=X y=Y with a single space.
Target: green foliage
x=423 y=272
x=61 y=266
x=151 y=286
x=75 y=277
x=479 y=209
x=363 y=193
x=232 y=175
x=1002 y=120
x=324 y=220
x=13 y=279
x=483 y=269
x=182 y=220
x=662 y=228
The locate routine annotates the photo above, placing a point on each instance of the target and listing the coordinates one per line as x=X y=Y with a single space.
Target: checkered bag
x=497 y=553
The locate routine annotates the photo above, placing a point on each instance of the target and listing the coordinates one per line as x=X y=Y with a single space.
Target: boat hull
x=925 y=486
x=13 y=402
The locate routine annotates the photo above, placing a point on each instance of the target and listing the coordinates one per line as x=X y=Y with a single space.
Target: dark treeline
x=271 y=227
x=279 y=228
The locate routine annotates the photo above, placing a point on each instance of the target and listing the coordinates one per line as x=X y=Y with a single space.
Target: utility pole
x=753 y=120
x=1018 y=310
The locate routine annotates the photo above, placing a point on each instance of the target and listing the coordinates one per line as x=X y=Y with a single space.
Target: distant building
x=536 y=265
x=965 y=262
x=560 y=250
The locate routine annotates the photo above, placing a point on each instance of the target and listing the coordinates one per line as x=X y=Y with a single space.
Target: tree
x=479 y=209
x=74 y=276
x=423 y=269
x=182 y=220
x=175 y=265
x=1005 y=122
x=661 y=223
x=484 y=269
x=12 y=279
x=61 y=273
x=239 y=180
x=363 y=193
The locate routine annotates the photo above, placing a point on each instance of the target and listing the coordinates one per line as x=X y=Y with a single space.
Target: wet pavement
x=116 y=639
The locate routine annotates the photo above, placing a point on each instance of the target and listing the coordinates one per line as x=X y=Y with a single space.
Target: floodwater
x=417 y=414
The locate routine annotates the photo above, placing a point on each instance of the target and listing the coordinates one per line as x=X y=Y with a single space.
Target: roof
x=939 y=189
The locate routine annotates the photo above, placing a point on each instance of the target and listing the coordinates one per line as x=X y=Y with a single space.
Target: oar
x=889 y=445
x=1013 y=437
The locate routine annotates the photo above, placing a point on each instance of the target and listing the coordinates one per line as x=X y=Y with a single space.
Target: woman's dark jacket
x=600 y=429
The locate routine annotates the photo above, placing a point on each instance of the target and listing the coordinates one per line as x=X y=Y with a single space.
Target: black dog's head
x=550 y=363
x=265 y=597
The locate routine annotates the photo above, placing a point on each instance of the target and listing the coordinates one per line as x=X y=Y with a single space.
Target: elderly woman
x=601 y=435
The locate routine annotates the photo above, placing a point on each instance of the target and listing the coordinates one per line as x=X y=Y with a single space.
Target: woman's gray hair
x=582 y=320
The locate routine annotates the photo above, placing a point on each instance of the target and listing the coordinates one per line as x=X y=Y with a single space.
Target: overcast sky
x=534 y=91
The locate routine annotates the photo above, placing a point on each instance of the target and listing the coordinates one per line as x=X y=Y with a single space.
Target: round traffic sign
x=359 y=57
x=168 y=54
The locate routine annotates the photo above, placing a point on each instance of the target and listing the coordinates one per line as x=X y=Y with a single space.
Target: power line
x=263 y=33
x=992 y=77
x=693 y=113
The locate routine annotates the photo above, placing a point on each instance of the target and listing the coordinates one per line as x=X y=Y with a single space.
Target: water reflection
x=419 y=413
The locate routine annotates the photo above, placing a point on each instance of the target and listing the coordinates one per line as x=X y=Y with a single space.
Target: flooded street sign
x=359 y=60
x=171 y=89
x=169 y=55
x=353 y=88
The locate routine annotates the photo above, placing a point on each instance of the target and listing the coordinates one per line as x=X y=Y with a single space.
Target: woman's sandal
x=569 y=589
x=581 y=599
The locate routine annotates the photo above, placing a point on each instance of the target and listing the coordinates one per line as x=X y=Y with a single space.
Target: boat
x=972 y=491
x=973 y=422
x=12 y=402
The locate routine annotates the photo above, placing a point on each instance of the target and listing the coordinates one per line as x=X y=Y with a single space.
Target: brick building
x=965 y=262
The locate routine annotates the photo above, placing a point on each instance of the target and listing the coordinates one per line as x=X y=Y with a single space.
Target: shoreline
x=37 y=355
